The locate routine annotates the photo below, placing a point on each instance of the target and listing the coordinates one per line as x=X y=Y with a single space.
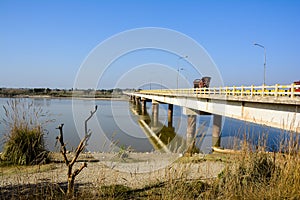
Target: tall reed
x=24 y=136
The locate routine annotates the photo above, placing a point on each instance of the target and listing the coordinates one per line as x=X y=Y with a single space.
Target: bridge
x=276 y=106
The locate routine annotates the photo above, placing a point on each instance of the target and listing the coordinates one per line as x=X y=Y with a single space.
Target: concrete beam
x=189 y=111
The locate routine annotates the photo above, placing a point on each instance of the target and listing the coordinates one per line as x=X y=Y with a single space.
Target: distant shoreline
x=99 y=94
x=122 y=98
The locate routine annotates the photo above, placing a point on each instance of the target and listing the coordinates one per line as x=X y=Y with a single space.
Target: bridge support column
x=137 y=100
x=155 y=112
x=144 y=108
x=190 y=134
x=137 y=104
x=134 y=99
x=170 y=115
x=216 y=130
x=191 y=131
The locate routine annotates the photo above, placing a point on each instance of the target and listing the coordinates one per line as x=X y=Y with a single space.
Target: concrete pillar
x=191 y=129
x=137 y=100
x=170 y=115
x=216 y=130
x=155 y=113
x=144 y=108
x=134 y=99
x=190 y=134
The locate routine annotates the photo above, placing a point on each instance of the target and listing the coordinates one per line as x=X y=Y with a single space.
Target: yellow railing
x=277 y=90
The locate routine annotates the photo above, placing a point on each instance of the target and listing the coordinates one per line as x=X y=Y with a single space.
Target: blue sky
x=44 y=43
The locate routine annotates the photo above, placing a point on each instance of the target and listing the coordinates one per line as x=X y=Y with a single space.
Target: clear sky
x=44 y=43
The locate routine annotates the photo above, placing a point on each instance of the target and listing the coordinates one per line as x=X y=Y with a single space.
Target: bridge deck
x=276 y=106
x=282 y=94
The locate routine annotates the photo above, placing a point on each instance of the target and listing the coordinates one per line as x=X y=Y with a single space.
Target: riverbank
x=249 y=175
x=120 y=98
x=61 y=93
x=135 y=170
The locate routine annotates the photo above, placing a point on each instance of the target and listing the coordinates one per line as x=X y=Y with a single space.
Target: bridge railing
x=291 y=91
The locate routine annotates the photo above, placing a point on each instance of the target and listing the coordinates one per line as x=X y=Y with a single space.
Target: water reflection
x=162 y=137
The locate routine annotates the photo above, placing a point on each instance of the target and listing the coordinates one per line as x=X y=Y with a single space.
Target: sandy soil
x=133 y=169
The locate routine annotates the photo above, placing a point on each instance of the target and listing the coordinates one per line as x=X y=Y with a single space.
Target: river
x=116 y=127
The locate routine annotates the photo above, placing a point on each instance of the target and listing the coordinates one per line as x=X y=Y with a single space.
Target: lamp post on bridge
x=178 y=69
x=264 y=83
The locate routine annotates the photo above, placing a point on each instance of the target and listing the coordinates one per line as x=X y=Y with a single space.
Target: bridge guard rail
x=291 y=91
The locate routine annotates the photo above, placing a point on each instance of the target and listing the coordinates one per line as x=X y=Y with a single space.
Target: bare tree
x=81 y=146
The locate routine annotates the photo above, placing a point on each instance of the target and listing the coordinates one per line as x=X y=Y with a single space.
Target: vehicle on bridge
x=297 y=89
x=202 y=83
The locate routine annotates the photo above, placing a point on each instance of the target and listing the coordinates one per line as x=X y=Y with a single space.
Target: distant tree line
x=98 y=93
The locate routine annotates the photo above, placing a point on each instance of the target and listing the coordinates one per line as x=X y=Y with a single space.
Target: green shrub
x=24 y=140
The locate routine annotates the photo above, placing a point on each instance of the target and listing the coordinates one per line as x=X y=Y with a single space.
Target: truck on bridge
x=202 y=83
x=297 y=89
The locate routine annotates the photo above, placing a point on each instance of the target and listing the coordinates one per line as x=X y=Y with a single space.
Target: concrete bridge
x=276 y=106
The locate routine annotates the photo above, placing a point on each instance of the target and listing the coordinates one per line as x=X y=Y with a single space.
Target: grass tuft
x=24 y=141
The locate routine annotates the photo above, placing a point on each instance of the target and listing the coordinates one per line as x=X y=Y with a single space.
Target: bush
x=24 y=141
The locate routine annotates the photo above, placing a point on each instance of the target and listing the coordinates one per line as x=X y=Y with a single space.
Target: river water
x=116 y=125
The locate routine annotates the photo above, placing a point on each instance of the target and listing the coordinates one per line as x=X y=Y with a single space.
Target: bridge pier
x=144 y=108
x=190 y=134
x=191 y=131
x=137 y=100
x=170 y=115
x=134 y=99
x=216 y=130
x=155 y=112
x=137 y=104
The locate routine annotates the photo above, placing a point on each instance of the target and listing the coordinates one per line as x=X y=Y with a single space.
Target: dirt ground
x=131 y=169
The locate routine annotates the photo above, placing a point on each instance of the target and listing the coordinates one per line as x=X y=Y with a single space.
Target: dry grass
x=6 y=170
x=250 y=175
x=259 y=175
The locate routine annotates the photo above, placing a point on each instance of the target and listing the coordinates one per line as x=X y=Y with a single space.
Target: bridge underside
x=278 y=115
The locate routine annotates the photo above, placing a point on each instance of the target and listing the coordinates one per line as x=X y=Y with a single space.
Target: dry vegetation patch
x=251 y=175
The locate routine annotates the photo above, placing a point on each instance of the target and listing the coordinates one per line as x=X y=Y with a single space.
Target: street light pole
x=181 y=57
x=264 y=62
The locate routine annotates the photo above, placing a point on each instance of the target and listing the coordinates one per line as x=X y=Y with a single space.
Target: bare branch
x=81 y=146
x=60 y=139
x=86 y=121
x=79 y=149
x=77 y=171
